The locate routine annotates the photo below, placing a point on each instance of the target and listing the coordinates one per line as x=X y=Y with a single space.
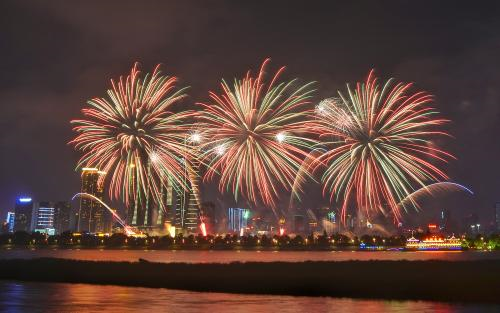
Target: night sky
x=55 y=55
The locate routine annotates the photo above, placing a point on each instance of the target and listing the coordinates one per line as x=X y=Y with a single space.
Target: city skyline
x=249 y=156
x=48 y=174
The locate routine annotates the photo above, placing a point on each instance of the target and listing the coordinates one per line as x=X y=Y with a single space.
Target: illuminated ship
x=434 y=243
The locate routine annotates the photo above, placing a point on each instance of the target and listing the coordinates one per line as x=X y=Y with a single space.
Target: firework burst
x=256 y=135
x=134 y=137
x=379 y=145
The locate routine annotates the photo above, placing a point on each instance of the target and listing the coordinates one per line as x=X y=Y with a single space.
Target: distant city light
x=24 y=199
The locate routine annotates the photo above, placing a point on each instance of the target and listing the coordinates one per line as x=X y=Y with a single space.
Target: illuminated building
x=91 y=214
x=152 y=211
x=432 y=229
x=445 y=218
x=45 y=218
x=350 y=222
x=10 y=221
x=23 y=214
x=162 y=210
x=187 y=212
x=62 y=216
x=312 y=221
x=237 y=219
x=299 y=225
x=471 y=224
x=434 y=243
x=188 y=207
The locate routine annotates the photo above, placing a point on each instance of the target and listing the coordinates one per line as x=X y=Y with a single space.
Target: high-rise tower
x=187 y=212
x=151 y=210
x=23 y=214
x=92 y=215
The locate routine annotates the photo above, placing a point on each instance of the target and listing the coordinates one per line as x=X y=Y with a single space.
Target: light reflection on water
x=59 y=297
x=209 y=256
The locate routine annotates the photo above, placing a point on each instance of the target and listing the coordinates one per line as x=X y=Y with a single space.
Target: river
x=59 y=297
x=217 y=256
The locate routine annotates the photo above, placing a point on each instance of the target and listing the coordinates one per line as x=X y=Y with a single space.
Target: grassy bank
x=477 y=281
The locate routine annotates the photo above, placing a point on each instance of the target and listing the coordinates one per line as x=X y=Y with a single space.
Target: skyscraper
x=151 y=211
x=187 y=211
x=45 y=218
x=237 y=219
x=188 y=204
x=92 y=215
x=23 y=214
x=299 y=224
x=62 y=216
x=444 y=224
x=10 y=221
x=193 y=205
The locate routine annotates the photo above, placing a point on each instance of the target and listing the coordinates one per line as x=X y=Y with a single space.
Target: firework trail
x=379 y=146
x=433 y=189
x=133 y=135
x=257 y=135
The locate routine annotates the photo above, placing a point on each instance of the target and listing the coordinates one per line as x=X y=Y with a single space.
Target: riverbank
x=456 y=281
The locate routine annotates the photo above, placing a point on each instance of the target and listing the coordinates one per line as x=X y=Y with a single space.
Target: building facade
x=237 y=219
x=62 y=216
x=10 y=221
x=23 y=214
x=188 y=202
x=91 y=214
x=45 y=218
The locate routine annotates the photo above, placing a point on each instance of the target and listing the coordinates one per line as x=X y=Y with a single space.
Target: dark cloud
x=57 y=54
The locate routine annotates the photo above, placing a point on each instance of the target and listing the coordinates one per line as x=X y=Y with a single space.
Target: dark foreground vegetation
x=222 y=242
x=477 y=281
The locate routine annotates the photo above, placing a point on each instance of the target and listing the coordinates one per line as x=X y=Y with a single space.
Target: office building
x=23 y=214
x=45 y=218
x=91 y=214
x=187 y=211
x=237 y=219
x=471 y=224
x=299 y=224
x=10 y=221
x=151 y=211
x=62 y=216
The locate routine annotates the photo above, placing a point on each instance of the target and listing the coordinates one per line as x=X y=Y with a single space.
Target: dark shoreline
x=455 y=281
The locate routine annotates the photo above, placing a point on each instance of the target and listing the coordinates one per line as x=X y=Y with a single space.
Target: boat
x=434 y=243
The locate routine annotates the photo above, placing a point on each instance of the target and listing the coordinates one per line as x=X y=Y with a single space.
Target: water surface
x=59 y=297
x=211 y=256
